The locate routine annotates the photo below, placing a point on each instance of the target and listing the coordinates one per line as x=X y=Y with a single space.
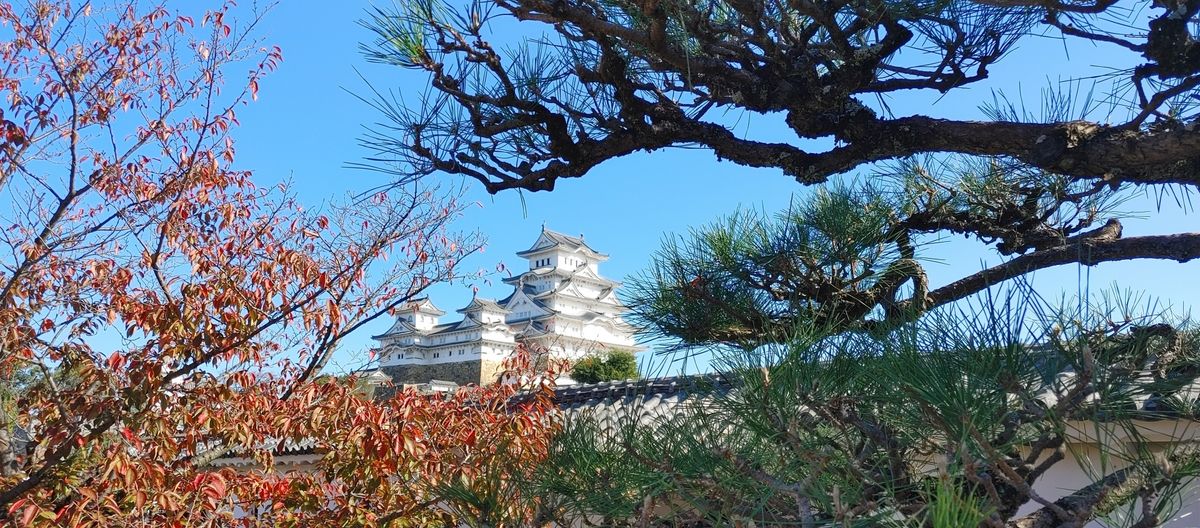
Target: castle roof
x=566 y=289
x=532 y=327
x=549 y=240
x=402 y=327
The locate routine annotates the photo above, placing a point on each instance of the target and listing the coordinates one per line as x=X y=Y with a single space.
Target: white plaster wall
x=491 y=317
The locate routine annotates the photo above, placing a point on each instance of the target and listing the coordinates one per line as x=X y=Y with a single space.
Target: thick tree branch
x=1079 y=148
x=1179 y=247
x=847 y=308
x=1079 y=504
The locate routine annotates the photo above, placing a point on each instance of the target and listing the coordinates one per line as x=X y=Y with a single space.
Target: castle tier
x=561 y=303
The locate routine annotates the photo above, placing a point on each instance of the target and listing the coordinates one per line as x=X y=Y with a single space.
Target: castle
x=561 y=303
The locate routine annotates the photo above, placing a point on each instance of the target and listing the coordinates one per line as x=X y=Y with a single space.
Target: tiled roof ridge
x=481 y=303
x=563 y=237
x=664 y=386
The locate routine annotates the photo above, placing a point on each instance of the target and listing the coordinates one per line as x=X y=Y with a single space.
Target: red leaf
x=16 y=505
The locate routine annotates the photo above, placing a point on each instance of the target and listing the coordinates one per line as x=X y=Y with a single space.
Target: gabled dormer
x=420 y=313
x=400 y=328
x=521 y=307
x=484 y=311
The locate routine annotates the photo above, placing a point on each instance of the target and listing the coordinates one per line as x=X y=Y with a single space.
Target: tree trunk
x=8 y=458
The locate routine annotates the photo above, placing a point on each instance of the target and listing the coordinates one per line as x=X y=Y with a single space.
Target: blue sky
x=306 y=125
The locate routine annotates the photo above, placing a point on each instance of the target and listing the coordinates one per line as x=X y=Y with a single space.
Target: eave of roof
x=476 y=341
x=564 y=273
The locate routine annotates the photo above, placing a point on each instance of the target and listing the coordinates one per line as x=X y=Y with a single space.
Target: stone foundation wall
x=470 y=372
x=462 y=373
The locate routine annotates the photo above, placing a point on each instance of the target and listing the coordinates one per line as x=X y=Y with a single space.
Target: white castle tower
x=561 y=303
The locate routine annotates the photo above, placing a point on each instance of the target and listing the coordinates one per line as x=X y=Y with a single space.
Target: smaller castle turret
x=420 y=313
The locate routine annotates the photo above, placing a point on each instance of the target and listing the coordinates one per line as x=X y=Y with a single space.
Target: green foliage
x=610 y=366
x=734 y=281
x=952 y=507
x=28 y=377
x=16 y=381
